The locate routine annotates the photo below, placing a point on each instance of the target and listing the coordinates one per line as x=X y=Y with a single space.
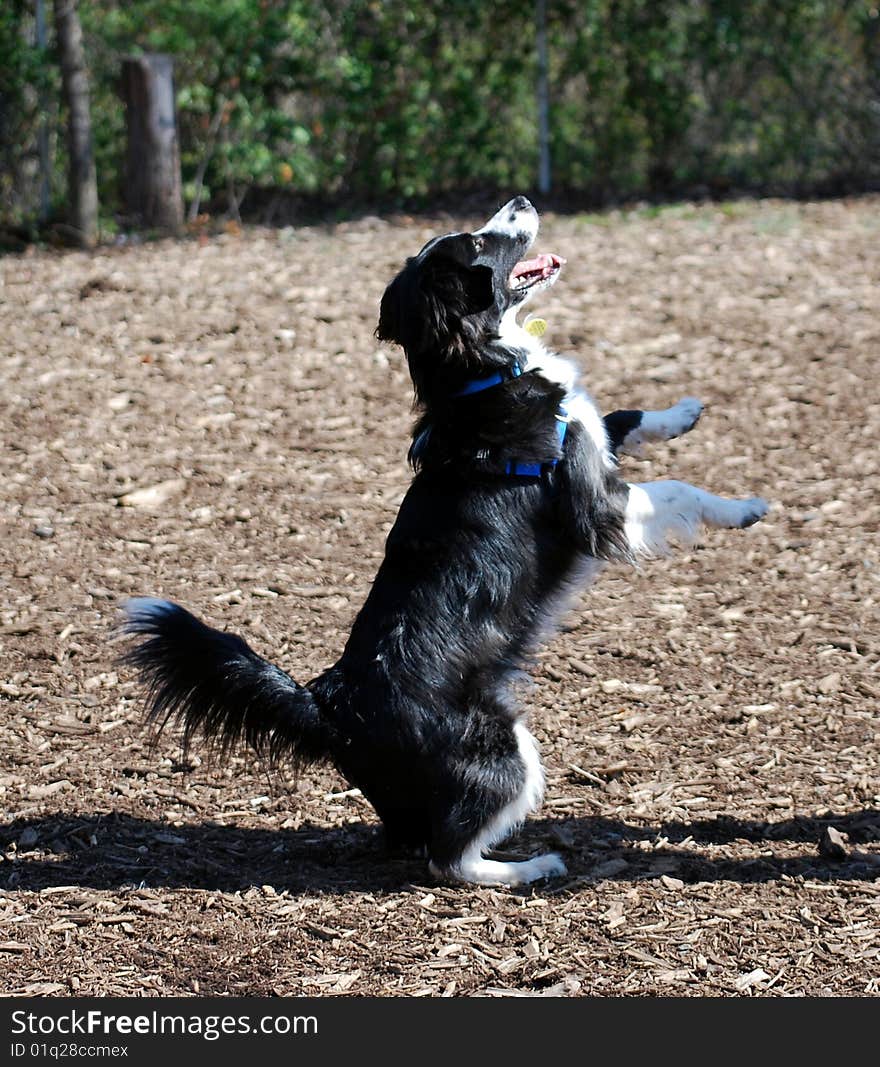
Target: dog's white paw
x=734 y=514
x=480 y=871
x=662 y=425
x=684 y=415
x=549 y=865
x=753 y=511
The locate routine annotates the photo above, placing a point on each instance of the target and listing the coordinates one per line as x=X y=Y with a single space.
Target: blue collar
x=479 y=384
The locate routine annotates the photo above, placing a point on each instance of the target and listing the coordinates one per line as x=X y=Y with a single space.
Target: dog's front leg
x=629 y=430
x=657 y=510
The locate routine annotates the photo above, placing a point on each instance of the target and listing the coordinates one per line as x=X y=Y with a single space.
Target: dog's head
x=445 y=307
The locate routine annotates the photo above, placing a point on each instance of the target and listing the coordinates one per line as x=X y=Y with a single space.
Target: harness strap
x=535 y=470
x=514 y=467
x=479 y=384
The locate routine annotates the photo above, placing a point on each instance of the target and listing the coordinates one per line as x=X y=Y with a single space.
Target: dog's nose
x=518 y=204
x=517 y=218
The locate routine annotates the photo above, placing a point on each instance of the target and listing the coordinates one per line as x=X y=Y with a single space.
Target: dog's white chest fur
x=562 y=371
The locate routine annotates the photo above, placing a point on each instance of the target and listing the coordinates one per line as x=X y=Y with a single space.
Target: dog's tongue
x=544 y=265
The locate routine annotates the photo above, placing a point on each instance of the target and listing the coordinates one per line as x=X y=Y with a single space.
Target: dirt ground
x=708 y=723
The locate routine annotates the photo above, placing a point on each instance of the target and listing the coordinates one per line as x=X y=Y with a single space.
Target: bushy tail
x=214 y=684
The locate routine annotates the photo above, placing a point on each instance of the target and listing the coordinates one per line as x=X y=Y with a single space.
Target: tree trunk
x=82 y=182
x=152 y=187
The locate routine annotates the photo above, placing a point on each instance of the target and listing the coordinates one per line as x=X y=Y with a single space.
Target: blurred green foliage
x=380 y=99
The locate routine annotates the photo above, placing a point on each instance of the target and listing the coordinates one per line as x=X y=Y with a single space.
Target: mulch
x=213 y=421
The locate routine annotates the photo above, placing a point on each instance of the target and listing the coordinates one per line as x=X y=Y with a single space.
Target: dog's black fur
x=417 y=712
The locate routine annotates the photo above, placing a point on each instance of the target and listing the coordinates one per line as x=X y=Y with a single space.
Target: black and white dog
x=516 y=499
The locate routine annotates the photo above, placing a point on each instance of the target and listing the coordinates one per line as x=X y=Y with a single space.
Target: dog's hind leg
x=629 y=430
x=473 y=867
x=514 y=787
x=656 y=510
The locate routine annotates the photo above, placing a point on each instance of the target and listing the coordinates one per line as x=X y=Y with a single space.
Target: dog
x=516 y=500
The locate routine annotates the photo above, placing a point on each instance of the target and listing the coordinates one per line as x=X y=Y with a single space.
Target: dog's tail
x=215 y=684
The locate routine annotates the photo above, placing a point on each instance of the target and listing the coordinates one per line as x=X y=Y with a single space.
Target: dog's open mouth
x=529 y=272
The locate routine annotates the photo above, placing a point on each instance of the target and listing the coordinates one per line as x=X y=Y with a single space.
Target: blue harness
x=515 y=467
x=479 y=384
x=535 y=470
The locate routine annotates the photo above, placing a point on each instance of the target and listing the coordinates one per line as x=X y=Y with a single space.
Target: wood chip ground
x=214 y=422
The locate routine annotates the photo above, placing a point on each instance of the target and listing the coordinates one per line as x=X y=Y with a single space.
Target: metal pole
x=43 y=133
x=543 y=99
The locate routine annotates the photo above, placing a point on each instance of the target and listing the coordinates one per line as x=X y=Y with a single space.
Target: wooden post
x=43 y=132
x=543 y=99
x=152 y=186
x=82 y=181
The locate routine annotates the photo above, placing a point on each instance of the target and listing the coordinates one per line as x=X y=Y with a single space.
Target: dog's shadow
x=114 y=851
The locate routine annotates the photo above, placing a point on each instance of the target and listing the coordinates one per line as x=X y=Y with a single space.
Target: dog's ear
x=469 y=289
x=389 y=327
x=453 y=292
x=479 y=284
x=428 y=305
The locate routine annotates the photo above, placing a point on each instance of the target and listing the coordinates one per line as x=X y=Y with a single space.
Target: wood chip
x=830 y=683
x=40 y=792
x=674 y=884
x=753 y=978
x=833 y=844
x=152 y=497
